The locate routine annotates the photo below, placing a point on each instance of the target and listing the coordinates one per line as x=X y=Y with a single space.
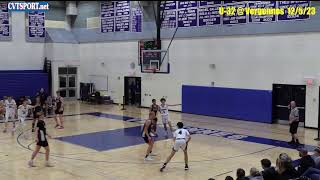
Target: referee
x=294 y=122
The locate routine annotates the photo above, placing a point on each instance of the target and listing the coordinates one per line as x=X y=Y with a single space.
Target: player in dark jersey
x=59 y=111
x=43 y=97
x=146 y=135
x=37 y=109
x=41 y=140
x=154 y=107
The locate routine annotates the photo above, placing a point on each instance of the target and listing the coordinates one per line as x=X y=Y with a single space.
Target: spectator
x=312 y=173
x=285 y=170
x=255 y=174
x=316 y=157
x=241 y=174
x=229 y=178
x=269 y=172
x=306 y=161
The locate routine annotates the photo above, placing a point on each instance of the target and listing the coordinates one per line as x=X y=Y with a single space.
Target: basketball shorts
x=294 y=127
x=22 y=119
x=179 y=144
x=165 y=119
x=9 y=115
x=146 y=140
x=58 y=112
x=43 y=143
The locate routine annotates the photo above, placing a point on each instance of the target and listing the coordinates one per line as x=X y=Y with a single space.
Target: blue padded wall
x=22 y=82
x=242 y=104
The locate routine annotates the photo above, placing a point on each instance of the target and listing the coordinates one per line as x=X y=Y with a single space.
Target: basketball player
x=59 y=111
x=41 y=140
x=294 y=122
x=23 y=113
x=50 y=102
x=181 y=139
x=146 y=135
x=10 y=105
x=164 y=111
x=154 y=107
x=37 y=109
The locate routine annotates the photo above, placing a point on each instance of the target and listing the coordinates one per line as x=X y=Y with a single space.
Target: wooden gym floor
x=101 y=142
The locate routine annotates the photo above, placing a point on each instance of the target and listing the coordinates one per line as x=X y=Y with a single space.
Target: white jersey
x=181 y=134
x=164 y=111
x=10 y=106
x=23 y=110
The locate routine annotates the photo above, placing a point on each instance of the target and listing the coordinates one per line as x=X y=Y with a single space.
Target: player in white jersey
x=181 y=140
x=23 y=110
x=164 y=111
x=10 y=105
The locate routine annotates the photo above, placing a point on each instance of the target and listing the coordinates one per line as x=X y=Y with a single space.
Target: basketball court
x=103 y=142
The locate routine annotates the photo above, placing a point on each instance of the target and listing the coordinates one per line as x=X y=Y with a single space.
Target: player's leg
x=165 y=122
x=6 y=121
x=20 y=125
x=47 y=156
x=14 y=124
x=149 y=149
x=62 y=120
x=186 y=158
x=34 y=121
x=56 y=120
x=170 y=125
x=173 y=152
x=34 y=154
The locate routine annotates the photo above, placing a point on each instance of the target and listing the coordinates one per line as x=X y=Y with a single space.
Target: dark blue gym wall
x=242 y=104
x=22 y=82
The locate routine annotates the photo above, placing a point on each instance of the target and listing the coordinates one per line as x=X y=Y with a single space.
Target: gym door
x=282 y=94
x=132 y=91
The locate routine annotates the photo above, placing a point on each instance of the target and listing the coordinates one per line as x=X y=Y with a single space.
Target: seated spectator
x=285 y=170
x=316 y=157
x=269 y=172
x=312 y=173
x=229 y=178
x=241 y=174
x=255 y=174
x=306 y=161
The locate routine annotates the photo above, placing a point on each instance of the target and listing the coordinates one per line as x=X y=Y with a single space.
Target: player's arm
x=30 y=107
x=48 y=135
x=37 y=134
x=296 y=116
x=62 y=103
